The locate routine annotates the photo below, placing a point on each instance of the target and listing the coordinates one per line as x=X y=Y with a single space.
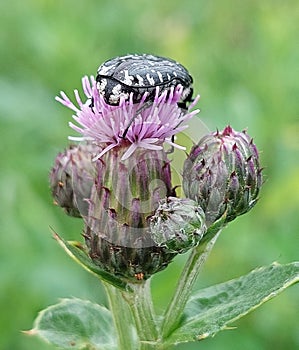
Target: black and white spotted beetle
x=136 y=74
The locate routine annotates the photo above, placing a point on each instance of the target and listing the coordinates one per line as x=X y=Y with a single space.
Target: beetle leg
x=146 y=105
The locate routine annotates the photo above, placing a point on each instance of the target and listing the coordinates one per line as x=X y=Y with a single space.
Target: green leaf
x=212 y=309
x=76 y=251
x=76 y=324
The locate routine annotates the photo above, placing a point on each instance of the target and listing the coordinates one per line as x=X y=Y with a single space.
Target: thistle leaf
x=76 y=324
x=212 y=309
x=76 y=251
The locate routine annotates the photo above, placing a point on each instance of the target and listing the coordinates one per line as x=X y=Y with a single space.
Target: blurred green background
x=244 y=58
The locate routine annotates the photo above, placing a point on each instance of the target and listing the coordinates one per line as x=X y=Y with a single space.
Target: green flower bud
x=72 y=177
x=125 y=195
x=222 y=174
x=178 y=224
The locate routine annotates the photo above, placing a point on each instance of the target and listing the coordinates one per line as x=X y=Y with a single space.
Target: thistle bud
x=222 y=174
x=72 y=177
x=178 y=224
x=122 y=200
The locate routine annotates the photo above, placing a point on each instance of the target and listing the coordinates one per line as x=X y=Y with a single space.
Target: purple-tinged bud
x=124 y=197
x=222 y=174
x=178 y=224
x=72 y=178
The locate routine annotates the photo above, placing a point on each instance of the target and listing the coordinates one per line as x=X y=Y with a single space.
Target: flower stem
x=189 y=274
x=140 y=302
x=127 y=338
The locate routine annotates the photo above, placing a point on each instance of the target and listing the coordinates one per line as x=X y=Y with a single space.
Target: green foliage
x=76 y=324
x=243 y=57
x=212 y=309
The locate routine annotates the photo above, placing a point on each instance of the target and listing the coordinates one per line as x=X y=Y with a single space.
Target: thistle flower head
x=178 y=224
x=126 y=194
x=72 y=176
x=121 y=191
x=222 y=174
x=145 y=125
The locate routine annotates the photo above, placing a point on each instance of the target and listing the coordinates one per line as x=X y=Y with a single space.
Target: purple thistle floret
x=151 y=126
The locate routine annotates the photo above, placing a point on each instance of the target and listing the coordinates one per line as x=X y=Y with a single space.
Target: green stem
x=185 y=283
x=140 y=302
x=123 y=322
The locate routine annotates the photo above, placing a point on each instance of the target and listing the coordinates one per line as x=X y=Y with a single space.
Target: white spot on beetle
x=117 y=93
x=185 y=93
x=160 y=76
x=140 y=80
x=101 y=85
x=150 y=79
x=103 y=70
x=128 y=79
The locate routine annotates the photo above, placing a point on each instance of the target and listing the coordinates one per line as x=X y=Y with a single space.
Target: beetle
x=139 y=73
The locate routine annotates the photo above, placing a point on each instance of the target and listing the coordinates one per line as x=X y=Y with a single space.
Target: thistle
x=127 y=178
x=222 y=174
x=118 y=180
